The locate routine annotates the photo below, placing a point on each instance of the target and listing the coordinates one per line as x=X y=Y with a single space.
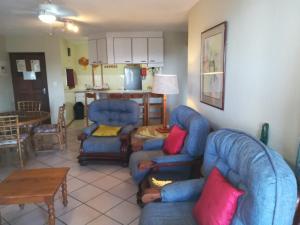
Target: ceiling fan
x=48 y=12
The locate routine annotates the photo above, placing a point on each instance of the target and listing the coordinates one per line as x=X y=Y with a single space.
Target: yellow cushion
x=106 y=131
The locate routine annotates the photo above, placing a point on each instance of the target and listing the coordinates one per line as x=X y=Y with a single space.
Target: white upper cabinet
x=92 y=46
x=97 y=51
x=156 y=50
x=140 y=50
x=102 y=51
x=122 y=50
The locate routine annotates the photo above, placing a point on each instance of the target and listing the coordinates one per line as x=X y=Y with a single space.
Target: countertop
x=114 y=91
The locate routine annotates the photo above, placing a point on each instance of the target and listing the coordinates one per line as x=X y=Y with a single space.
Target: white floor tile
x=104 y=202
x=86 y=193
x=124 y=190
x=52 y=160
x=91 y=176
x=107 y=169
x=125 y=212
x=78 y=170
x=122 y=174
x=34 y=164
x=106 y=183
x=104 y=220
x=68 y=164
x=60 y=209
x=74 y=184
x=80 y=215
x=136 y=222
x=11 y=212
x=35 y=217
x=132 y=199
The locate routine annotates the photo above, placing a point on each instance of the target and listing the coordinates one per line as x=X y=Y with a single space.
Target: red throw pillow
x=218 y=201
x=175 y=140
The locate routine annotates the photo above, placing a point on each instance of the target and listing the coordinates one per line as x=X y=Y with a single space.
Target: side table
x=145 y=133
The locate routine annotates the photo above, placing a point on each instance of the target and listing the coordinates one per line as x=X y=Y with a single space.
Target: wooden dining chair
x=29 y=106
x=91 y=95
x=10 y=136
x=58 y=130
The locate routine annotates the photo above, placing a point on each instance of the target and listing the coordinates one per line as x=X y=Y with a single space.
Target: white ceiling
x=98 y=15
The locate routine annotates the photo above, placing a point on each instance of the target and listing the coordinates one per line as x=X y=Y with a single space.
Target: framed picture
x=212 y=77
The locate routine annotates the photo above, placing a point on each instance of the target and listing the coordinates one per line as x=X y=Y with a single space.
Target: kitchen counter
x=143 y=97
x=114 y=91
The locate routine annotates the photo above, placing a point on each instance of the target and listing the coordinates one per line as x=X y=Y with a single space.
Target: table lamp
x=165 y=84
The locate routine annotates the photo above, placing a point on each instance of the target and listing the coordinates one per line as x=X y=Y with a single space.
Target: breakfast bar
x=151 y=105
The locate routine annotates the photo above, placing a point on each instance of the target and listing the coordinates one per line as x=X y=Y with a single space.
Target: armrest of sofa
x=173 y=158
x=153 y=144
x=89 y=130
x=127 y=129
x=188 y=190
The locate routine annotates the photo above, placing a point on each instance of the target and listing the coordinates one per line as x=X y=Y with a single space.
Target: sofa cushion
x=174 y=141
x=218 y=201
x=179 y=213
x=106 y=131
x=269 y=184
x=101 y=144
x=114 y=112
x=197 y=127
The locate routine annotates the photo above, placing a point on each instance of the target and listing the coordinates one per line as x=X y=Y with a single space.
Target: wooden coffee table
x=34 y=186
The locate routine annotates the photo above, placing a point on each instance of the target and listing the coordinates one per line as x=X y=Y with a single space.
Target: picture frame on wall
x=213 y=57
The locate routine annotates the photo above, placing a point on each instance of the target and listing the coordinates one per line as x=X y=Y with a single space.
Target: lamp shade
x=166 y=84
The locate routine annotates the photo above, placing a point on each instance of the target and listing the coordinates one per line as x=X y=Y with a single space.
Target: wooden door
x=30 y=90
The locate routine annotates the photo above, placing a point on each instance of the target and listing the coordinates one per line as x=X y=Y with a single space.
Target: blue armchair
x=124 y=113
x=269 y=184
x=198 y=129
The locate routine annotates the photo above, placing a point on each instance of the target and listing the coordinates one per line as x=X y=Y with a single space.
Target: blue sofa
x=269 y=184
x=198 y=129
x=111 y=112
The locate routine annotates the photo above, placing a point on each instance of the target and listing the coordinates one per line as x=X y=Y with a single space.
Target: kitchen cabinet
x=122 y=50
x=97 y=51
x=155 y=50
x=92 y=47
x=139 y=50
x=102 y=51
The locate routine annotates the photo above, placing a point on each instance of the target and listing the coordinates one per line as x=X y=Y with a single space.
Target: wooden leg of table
x=64 y=192
x=51 y=211
x=20 y=156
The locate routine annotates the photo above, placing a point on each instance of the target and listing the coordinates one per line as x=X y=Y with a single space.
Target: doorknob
x=44 y=91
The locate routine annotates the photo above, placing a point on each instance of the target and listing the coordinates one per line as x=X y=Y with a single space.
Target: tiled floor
x=98 y=194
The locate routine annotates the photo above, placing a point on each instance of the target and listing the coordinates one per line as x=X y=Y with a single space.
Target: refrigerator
x=132 y=78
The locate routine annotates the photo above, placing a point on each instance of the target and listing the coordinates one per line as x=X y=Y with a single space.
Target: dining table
x=29 y=119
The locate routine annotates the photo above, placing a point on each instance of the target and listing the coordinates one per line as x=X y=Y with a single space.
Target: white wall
x=262 y=69
x=175 y=62
x=6 y=89
x=51 y=47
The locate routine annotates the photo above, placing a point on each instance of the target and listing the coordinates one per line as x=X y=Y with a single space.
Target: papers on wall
x=35 y=65
x=29 y=75
x=21 y=65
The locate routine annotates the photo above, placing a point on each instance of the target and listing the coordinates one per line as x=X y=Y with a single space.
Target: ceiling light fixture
x=71 y=26
x=46 y=17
